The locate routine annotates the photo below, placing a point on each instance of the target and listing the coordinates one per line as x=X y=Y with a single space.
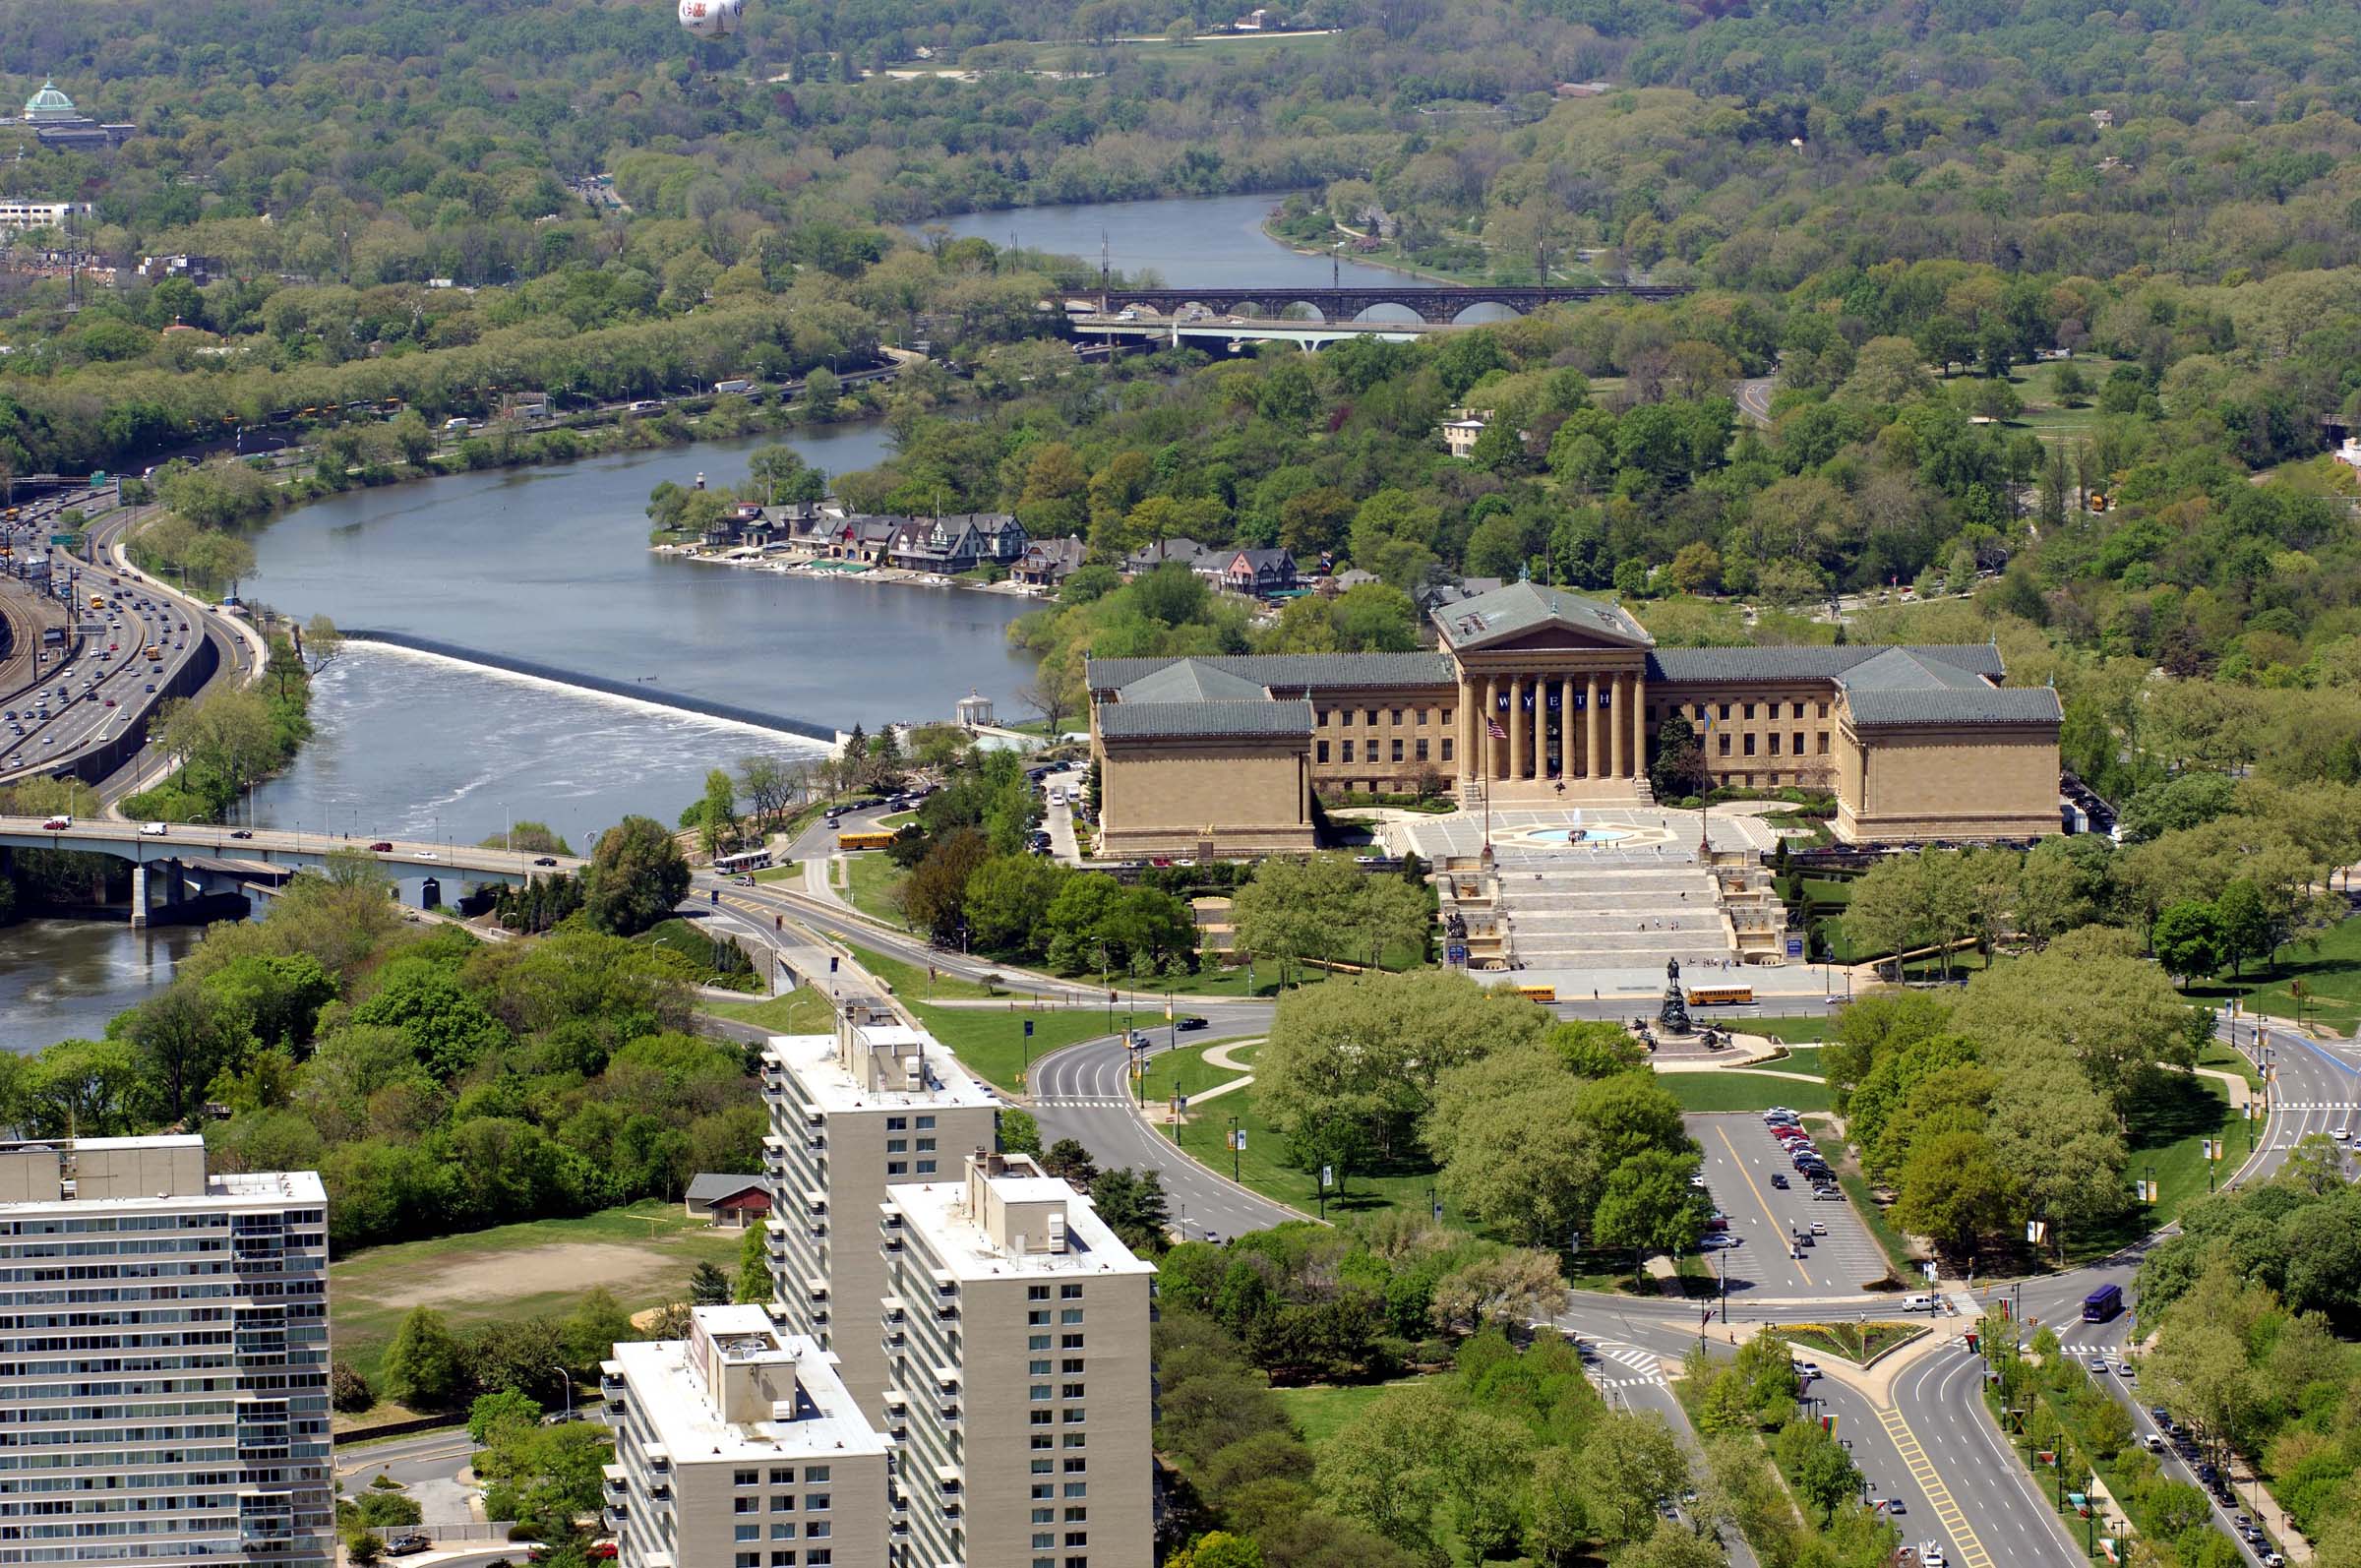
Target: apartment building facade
x=164 y=1358
x=1016 y=1332
x=874 y=1104
x=739 y=1447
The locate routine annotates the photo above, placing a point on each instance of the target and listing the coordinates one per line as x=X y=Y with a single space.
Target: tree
x=2246 y=928
x=2188 y=939
x=768 y=783
x=718 y=811
x=1825 y=1476
x=1557 y=1527
x=708 y=1286
x=321 y=643
x=1953 y=1191
x=501 y=1406
x=636 y=875
x=1132 y=1203
x=1647 y=1206
x=1697 y=569
x=1629 y=1463
x=184 y=1037
x=347 y=1390
x=421 y=1367
x=754 y=1268
x=1507 y=1291
x=598 y=1323
x=1216 y=1548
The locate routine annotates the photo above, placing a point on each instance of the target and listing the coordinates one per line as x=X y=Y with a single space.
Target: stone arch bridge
x=1440 y=305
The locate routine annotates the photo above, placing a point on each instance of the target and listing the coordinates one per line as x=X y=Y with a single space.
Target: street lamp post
x=561 y=1372
x=1234 y=1149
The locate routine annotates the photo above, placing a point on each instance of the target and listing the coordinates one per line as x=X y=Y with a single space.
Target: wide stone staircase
x=1611 y=916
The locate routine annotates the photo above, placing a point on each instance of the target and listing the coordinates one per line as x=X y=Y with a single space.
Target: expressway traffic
x=132 y=645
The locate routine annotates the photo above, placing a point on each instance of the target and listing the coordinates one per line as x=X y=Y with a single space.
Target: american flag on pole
x=1493 y=727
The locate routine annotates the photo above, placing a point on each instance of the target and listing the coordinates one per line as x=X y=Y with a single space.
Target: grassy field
x=1803 y=1058
x=1743 y=1091
x=1263 y=1166
x=1792 y=1031
x=868 y=878
x=784 y=871
x=1321 y=1412
x=2167 y=1145
x=1187 y=1071
x=2331 y=972
x=2045 y=412
x=804 y=1011
x=2217 y=1055
x=642 y=1254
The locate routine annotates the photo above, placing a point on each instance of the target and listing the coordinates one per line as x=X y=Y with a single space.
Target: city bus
x=1719 y=995
x=873 y=840
x=752 y=860
x=2103 y=1303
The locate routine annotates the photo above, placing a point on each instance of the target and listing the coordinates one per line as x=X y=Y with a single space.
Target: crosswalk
x=1645 y=1367
x=1080 y=1102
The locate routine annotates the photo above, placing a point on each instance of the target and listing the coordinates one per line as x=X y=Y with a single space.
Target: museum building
x=1536 y=695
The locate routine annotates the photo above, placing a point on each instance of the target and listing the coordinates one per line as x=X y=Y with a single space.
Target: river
x=550 y=564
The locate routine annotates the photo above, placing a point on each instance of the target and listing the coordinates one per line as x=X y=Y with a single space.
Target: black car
x=546 y=860
x=1188 y=1020
x=1779 y=1179
x=242 y=832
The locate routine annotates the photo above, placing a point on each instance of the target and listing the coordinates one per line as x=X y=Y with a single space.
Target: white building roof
x=939 y=1212
x=668 y=1386
x=813 y=1058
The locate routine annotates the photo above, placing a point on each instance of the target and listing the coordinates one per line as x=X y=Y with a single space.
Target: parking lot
x=1740 y=1159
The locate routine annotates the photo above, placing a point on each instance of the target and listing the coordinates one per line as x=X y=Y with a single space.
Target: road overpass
x=206 y=859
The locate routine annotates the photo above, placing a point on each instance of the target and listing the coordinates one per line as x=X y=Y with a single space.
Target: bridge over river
x=1435 y=303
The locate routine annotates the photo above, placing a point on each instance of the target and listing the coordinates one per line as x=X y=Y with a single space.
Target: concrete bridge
x=1429 y=302
x=191 y=864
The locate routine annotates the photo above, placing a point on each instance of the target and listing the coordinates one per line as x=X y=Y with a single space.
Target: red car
x=601 y=1551
x=381 y=847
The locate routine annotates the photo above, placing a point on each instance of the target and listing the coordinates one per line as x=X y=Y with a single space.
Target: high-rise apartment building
x=164 y=1358
x=1016 y=1338
x=876 y=1102
x=739 y=1447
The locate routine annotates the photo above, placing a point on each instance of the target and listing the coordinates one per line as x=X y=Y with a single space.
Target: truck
x=739 y=384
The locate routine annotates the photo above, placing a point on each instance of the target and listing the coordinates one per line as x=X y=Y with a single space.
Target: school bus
x=1719 y=995
x=97 y=601
x=870 y=840
x=153 y=651
x=1537 y=992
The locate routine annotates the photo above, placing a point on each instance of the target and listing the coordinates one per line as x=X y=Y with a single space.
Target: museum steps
x=1617 y=918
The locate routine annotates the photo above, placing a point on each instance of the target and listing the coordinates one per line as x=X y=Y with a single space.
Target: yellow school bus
x=869 y=840
x=1537 y=992
x=1719 y=995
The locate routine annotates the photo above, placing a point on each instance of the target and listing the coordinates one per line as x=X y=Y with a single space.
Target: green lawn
x=1803 y=1058
x=1855 y=1342
x=1185 y=1071
x=991 y=1041
x=2167 y=1145
x=1743 y=1091
x=2229 y=1059
x=642 y=1254
x=1321 y=1412
x=2331 y=972
x=803 y=1011
x=785 y=871
x=1263 y=1164
x=867 y=877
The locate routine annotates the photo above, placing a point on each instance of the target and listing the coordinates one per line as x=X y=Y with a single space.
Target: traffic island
x=1863 y=1343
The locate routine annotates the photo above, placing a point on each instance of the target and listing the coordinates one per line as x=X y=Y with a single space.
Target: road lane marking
x=1938 y=1497
x=1744 y=1176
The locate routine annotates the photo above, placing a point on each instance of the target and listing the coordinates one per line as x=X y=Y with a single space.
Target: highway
x=94 y=696
x=271 y=846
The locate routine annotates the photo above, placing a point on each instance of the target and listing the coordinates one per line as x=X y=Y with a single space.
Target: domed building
x=50 y=107
x=59 y=124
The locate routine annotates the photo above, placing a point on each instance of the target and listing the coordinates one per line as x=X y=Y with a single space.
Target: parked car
x=408 y=1546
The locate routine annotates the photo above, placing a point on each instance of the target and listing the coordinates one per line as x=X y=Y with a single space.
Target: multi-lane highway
x=131 y=648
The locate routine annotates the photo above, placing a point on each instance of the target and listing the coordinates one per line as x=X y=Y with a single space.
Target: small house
x=728 y=1201
x=1259 y=574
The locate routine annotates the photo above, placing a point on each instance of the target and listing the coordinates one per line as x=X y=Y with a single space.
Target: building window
x=1799 y=743
x=1749 y=711
x=746 y=1505
x=925 y=1168
x=1069 y=1292
x=1038 y=1368
x=1698 y=713
x=1824 y=710
x=1039 y=1391
x=813 y=1474
x=1373 y=718
x=897 y=1167
x=1344 y=717
x=926 y=1145
x=1038 y=1417
x=1421 y=748
x=745 y=1533
x=1423 y=719
x=1398 y=747
x=1823 y=747
x=783 y=1503
x=1725 y=743
x=1774 y=742
x=783 y=1530
x=746 y=1478
x=897 y=1145
x=1723 y=714
x=897 y=1124
x=1749 y=745
x=1446 y=747
x=1348 y=750
x=1396 y=715
x=1069 y=1342
x=1321 y=754
x=1444 y=717
x=782 y=1477
x=1069 y=1391
x=1036 y=1342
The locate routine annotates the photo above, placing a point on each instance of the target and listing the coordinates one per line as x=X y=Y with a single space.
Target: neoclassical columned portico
x=1571 y=718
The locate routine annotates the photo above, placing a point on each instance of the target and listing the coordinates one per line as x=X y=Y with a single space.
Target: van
x=154 y=830
x=1918 y=1303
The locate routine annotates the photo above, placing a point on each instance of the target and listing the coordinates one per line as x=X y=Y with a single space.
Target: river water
x=550 y=564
